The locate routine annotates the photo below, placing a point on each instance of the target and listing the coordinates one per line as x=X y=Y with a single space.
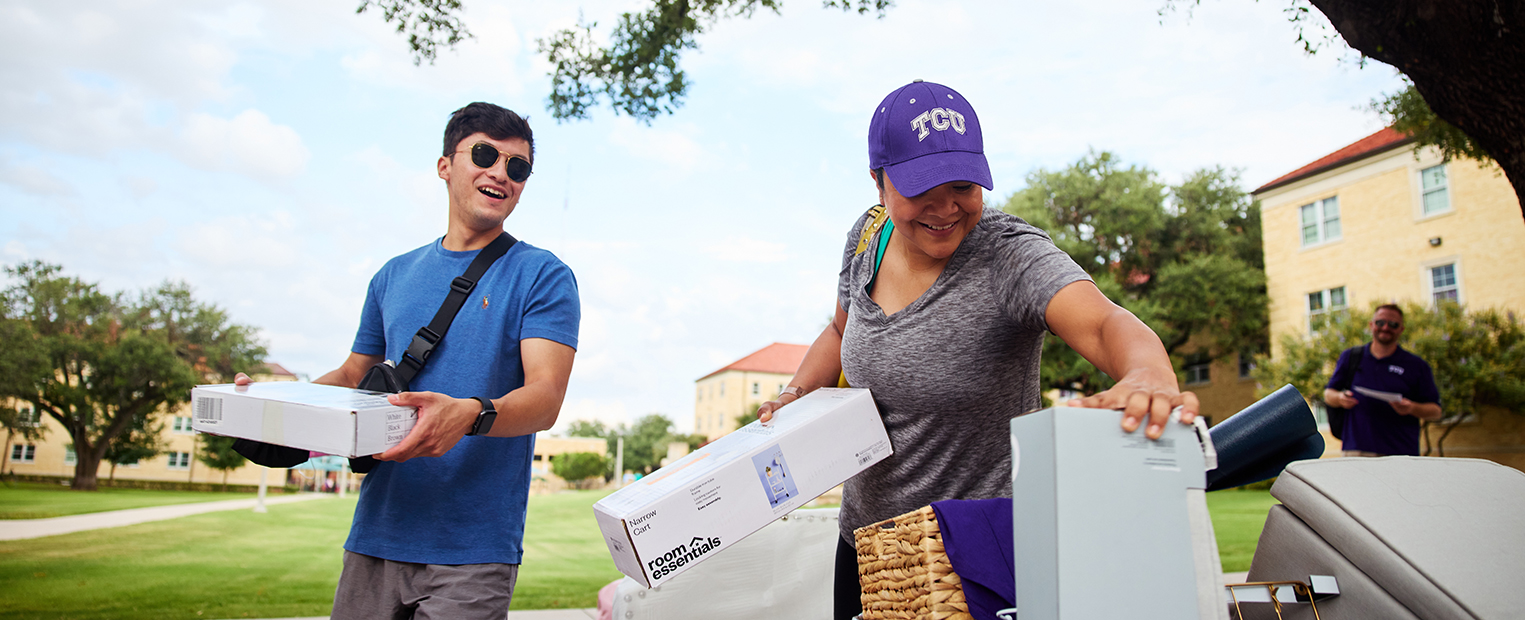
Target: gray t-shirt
x=951 y=369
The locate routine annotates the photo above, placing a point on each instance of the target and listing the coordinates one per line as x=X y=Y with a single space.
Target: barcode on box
x=864 y=457
x=208 y=409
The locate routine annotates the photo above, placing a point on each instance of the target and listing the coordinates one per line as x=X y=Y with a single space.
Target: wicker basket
x=905 y=572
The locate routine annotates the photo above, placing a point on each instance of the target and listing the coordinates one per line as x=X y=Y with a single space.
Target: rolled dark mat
x=363 y=464
x=270 y=455
x=1258 y=442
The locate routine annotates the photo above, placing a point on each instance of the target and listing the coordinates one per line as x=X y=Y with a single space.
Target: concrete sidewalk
x=20 y=529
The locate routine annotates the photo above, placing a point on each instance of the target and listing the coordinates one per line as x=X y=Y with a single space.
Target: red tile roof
x=778 y=358
x=272 y=368
x=1385 y=140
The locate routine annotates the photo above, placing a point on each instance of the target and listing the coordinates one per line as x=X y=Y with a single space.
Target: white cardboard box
x=321 y=418
x=1109 y=524
x=662 y=524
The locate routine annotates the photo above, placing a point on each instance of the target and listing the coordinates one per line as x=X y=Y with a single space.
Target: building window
x=722 y=390
x=780 y=391
x=1322 y=303
x=756 y=388
x=179 y=460
x=1198 y=370
x=23 y=453
x=1246 y=364
x=1321 y=221
x=1443 y=285
x=1433 y=188
x=70 y=457
x=28 y=417
x=182 y=425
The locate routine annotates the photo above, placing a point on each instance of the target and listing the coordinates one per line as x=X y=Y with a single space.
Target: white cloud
x=248 y=142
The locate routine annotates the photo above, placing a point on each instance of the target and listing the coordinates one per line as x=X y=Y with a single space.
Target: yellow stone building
x=52 y=455
x=737 y=389
x=1376 y=222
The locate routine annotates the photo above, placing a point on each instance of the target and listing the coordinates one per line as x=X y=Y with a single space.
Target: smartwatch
x=483 y=425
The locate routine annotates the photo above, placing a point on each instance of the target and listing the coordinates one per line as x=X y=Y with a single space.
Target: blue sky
x=274 y=154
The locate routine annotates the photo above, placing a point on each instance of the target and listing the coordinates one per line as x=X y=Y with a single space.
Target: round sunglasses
x=485 y=156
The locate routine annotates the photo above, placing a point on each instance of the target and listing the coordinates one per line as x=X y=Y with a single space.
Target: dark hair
x=879 y=177
x=1393 y=307
x=498 y=122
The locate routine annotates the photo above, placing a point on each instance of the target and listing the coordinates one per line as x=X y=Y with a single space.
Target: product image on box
x=774 y=473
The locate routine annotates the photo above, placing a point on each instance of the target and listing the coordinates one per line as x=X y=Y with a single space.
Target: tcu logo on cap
x=939 y=119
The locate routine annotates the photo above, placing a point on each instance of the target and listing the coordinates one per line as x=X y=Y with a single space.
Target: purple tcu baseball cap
x=924 y=135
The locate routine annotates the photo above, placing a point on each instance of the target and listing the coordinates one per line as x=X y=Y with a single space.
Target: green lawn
x=238 y=564
x=36 y=500
x=1237 y=518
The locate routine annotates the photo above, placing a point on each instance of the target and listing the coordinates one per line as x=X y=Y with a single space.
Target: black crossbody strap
x=428 y=337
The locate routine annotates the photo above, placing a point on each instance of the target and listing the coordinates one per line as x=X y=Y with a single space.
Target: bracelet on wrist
x=794 y=390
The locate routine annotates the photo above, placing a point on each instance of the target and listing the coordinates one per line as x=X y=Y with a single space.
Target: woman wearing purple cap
x=942 y=305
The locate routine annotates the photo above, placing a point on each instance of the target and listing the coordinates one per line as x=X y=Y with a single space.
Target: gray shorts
x=371 y=588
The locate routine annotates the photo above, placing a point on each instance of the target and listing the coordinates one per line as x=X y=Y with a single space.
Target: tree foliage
x=645 y=441
x=217 y=453
x=101 y=364
x=577 y=467
x=429 y=24
x=1185 y=259
x=638 y=73
x=1407 y=112
x=138 y=443
x=1478 y=356
x=1462 y=61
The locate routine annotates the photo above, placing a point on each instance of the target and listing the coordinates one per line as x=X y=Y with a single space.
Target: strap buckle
x=421 y=348
x=462 y=285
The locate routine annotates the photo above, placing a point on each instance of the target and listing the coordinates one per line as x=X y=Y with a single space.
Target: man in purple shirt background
x=1376 y=427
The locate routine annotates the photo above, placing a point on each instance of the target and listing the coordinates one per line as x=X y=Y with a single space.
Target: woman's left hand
x=1140 y=394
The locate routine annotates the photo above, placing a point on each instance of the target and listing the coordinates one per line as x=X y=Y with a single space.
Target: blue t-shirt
x=467 y=506
x=1373 y=425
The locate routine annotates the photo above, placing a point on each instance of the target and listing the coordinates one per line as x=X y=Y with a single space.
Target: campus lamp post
x=259 y=504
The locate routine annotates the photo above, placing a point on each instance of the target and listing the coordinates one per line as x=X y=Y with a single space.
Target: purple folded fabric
x=977 y=536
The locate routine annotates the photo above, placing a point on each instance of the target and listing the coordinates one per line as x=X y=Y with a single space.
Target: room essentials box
x=321 y=418
x=662 y=524
x=1109 y=524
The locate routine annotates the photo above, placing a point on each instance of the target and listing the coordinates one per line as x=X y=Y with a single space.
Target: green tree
x=1185 y=259
x=638 y=74
x=99 y=363
x=140 y=442
x=578 y=467
x=217 y=453
x=1478 y=358
x=645 y=441
x=1462 y=60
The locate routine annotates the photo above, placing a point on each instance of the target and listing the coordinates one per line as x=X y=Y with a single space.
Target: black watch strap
x=485 y=419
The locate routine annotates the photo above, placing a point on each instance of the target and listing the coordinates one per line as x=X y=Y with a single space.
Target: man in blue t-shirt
x=439 y=529
x=1391 y=391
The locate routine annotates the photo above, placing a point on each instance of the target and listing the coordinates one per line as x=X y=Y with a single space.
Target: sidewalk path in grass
x=19 y=529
